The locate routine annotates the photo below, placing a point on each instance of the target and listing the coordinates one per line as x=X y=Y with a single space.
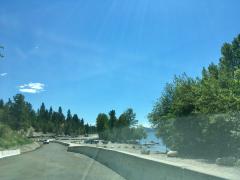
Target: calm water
x=161 y=147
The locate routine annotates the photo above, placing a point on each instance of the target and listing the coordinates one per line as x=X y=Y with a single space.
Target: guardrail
x=134 y=167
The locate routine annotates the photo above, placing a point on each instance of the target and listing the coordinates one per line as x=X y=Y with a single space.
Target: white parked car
x=46 y=141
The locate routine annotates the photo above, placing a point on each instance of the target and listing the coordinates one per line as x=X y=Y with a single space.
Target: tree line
x=121 y=129
x=19 y=114
x=200 y=116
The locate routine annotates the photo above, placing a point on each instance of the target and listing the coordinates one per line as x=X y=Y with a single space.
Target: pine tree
x=112 y=119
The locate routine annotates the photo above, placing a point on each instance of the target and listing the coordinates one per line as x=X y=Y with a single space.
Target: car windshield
x=119 y=89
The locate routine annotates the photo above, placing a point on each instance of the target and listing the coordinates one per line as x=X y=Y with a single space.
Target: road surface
x=53 y=162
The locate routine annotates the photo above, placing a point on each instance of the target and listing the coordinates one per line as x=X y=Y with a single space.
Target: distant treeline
x=19 y=115
x=121 y=129
x=200 y=116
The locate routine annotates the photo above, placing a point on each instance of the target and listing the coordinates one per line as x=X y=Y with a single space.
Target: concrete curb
x=137 y=166
x=8 y=153
x=22 y=150
x=134 y=167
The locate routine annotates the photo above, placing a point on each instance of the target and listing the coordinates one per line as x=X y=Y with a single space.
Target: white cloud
x=33 y=91
x=3 y=74
x=32 y=88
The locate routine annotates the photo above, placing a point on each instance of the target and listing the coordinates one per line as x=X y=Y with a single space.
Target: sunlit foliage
x=200 y=116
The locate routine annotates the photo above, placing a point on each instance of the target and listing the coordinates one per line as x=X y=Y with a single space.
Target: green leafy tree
x=203 y=112
x=122 y=129
x=122 y=121
x=184 y=96
x=127 y=119
x=102 y=124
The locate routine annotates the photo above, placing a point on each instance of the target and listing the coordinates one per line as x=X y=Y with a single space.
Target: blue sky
x=93 y=56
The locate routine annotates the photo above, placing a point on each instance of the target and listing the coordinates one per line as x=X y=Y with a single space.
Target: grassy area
x=10 y=138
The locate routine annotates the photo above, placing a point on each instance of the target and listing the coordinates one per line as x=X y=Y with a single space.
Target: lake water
x=160 y=147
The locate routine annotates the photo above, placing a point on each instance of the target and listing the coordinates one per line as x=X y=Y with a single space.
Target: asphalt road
x=53 y=162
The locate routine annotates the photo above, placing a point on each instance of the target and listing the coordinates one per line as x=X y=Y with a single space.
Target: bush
x=10 y=138
x=190 y=135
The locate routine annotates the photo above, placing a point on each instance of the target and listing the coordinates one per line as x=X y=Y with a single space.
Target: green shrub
x=10 y=138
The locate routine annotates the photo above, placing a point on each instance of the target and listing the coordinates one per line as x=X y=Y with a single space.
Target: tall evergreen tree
x=68 y=123
x=112 y=119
